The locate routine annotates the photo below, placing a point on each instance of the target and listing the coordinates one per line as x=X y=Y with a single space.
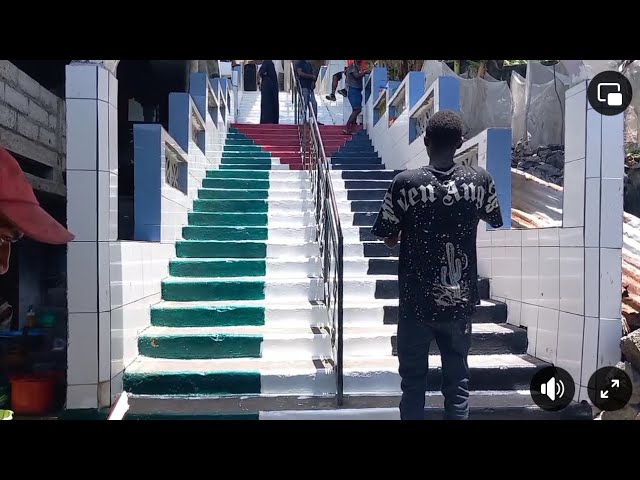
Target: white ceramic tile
x=116 y=387
x=513 y=273
x=530 y=275
x=589 y=349
x=592 y=213
x=104 y=346
x=575 y=127
x=530 y=238
x=82 y=396
x=483 y=237
x=82 y=121
x=514 y=313
x=82 y=204
x=612 y=147
x=82 y=277
x=498 y=238
x=103 y=84
x=104 y=205
x=81 y=82
x=82 y=351
x=547 y=336
x=549 y=237
x=113 y=207
x=569 y=355
x=484 y=262
x=611 y=213
x=584 y=395
x=529 y=317
x=573 y=201
x=103 y=136
x=117 y=341
x=580 y=87
x=499 y=279
x=594 y=143
x=572 y=237
x=609 y=342
x=113 y=139
x=104 y=277
x=572 y=280
x=592 y=282
x=104 y=394
x=113 y=90
x=549 y=274
x=513 y=238
x=610 y=282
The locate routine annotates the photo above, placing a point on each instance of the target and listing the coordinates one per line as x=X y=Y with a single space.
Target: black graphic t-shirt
x=438 y=214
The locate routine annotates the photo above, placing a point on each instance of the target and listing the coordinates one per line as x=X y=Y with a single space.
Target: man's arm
x=490 y=209
x=388 y=224
x=303 y=74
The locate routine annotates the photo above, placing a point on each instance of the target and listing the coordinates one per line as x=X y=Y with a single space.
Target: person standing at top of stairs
x=354 y=82
x=434 y=212
x=269 y=92
x=307 y=79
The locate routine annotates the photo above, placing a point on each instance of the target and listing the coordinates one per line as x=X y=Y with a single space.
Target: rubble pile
x=545 y=162
x=631 y=366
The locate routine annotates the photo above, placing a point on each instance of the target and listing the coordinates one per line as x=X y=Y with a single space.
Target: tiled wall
x=562 y=284
x=112 y=283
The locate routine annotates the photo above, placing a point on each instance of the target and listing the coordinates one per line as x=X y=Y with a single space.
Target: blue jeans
x=354 y=95
x=309 y=97
x=454 y=340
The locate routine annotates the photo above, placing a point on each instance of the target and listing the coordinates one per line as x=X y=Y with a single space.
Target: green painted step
x=228 y=219
x=252 y=166
x=242 y=148
x=239 y=141
x=200 y=346
x=225 y=233
x=232 y=154
x=192 y=383
x=231 y=206
x=186 y=416
x=246 y=174
x=220 y=249
x=206 y=267
x=187 y=290
x=247 y=160
x=235 y=183
x=221 y=193
x=202 y=315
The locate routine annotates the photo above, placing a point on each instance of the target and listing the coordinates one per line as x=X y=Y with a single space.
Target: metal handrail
x=328 y=229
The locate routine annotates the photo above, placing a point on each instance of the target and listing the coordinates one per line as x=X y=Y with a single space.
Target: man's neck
x=442 y=163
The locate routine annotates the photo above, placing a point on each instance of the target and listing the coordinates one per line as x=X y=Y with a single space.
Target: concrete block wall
x=112 y=284
x=32 y=124
x=562 y=284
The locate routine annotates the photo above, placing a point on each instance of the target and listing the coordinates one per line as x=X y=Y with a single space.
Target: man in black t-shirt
x=434 y=212
x=307 y=78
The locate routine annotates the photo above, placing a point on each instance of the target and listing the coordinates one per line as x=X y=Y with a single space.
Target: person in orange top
x=21 y=213
x=338 y=76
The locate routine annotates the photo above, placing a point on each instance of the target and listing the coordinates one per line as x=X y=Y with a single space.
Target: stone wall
x=33 y=125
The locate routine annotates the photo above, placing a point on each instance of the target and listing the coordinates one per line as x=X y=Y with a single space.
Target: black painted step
x=366 y=205
x=356 y=159
x=364 y=219
x=357 y=166
x=379 y=249
x=494 y=312
x=388 y=289
x=366 y=194
x=366 y=184
x=374 y=175
x=494 y=340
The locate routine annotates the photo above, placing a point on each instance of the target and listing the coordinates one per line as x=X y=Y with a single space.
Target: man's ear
x=426 y=141
x=460 y=143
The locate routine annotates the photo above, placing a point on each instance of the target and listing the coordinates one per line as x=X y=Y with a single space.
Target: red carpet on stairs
x=283 y=141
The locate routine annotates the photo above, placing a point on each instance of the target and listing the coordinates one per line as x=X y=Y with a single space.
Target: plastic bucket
x=6 y=415
x=33 y=394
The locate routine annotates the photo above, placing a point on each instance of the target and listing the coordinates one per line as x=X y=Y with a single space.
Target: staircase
x=240 y=332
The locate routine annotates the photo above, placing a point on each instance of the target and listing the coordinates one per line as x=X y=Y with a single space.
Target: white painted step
x=284 y=377
x=335 y=414
x=277 y=344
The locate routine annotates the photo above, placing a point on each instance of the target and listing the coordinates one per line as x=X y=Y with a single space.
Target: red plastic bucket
x=33 y=394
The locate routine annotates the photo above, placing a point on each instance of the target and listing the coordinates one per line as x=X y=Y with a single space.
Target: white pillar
x=92 y=214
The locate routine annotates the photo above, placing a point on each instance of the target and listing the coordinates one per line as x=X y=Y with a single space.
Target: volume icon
x=553 y=388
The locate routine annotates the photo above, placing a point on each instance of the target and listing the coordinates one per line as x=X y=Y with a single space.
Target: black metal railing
x=328 y=228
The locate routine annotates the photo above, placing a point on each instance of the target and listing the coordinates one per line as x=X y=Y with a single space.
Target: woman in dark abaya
x=269 y=104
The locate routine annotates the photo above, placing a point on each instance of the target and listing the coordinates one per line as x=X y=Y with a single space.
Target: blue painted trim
x=147 y=154
x=448 y=93
x=379 y=79
x=180 y=119
x=415 y=88
x=499 y=166
x=198 y=89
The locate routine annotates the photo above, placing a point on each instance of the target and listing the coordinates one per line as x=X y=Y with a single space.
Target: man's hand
x=391 y=242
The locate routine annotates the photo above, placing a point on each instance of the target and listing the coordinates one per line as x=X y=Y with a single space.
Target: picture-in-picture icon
x=612 y=99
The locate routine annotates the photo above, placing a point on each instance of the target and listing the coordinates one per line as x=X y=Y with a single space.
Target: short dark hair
x=444 y=129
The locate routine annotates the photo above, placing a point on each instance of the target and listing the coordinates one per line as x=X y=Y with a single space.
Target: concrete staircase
x=240 y=332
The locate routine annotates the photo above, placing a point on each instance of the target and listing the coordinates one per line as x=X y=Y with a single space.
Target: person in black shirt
x=307 y=78
x=433 y=211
